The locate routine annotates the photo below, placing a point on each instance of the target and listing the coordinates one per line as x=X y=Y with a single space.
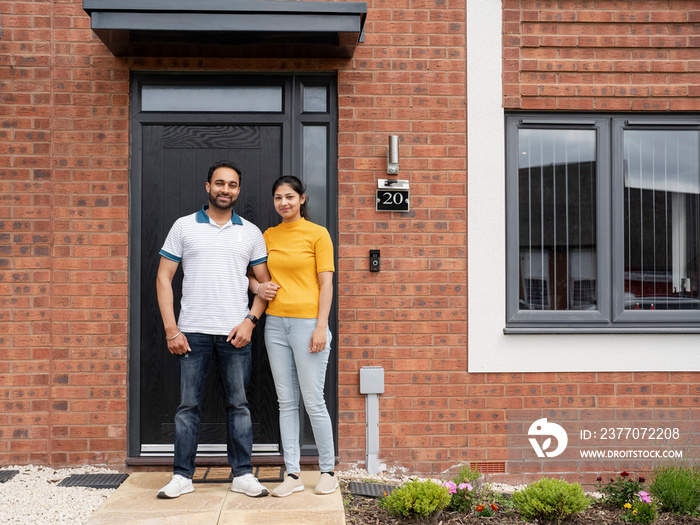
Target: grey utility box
x=371 y=380
x=371 y=384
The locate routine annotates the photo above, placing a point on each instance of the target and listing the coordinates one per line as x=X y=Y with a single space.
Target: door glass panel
x=662 y=219
x=557 y=219
x=212 y=98
x=315 y=99
x=315 y=165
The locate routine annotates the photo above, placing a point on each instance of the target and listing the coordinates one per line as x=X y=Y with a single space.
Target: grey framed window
x=603 y=223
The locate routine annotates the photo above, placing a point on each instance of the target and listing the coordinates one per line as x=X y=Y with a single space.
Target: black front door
x=175 y=138
x=176 y=161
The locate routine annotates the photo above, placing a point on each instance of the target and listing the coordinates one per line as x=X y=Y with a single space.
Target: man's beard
x=212 y=201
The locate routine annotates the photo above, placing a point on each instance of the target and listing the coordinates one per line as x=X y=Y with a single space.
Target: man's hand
x=241 y=334
x=180 y=345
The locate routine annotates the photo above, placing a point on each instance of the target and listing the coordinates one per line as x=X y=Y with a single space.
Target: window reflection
x=314 y=171
x=315 y=99
x=211 y=98
x=662 y=213
x=557 y=219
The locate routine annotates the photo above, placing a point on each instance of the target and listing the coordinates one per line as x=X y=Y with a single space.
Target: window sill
x=646 y=329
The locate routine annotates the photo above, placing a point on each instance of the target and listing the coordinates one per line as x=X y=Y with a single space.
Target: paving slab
x=135 y=503
x=300 y=508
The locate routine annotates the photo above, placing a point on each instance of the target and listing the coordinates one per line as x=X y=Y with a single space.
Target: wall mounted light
x=392 y=156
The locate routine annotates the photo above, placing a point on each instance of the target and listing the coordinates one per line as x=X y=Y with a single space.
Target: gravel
x=34 y=497
x=397 y=476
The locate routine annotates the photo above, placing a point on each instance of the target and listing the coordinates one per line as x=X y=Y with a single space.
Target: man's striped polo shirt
x=215 y=262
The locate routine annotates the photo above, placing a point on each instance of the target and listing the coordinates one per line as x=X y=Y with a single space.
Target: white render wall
x=489 y=349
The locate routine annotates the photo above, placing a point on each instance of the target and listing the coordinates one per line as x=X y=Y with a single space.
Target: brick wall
x=594 y=56
x=410 y=318
x=603 y=55
x=64 y=219
x=25 y=232
x=64 y=227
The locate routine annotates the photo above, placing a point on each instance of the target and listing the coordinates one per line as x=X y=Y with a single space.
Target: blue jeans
x=234 y=374
x=296 y=370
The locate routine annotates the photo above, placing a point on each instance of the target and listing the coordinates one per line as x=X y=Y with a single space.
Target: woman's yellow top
x=297 y=252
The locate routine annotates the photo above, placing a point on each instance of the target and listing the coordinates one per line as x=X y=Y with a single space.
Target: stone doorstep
x=135 y=502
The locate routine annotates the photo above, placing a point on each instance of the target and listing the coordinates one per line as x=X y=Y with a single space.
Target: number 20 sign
x=392 y=195
x=392 y=200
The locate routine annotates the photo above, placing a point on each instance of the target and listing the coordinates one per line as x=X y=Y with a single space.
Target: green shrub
x=550 y=499
x=467 y=475
x=623 y=489
x=677 y=489
x=416 y=498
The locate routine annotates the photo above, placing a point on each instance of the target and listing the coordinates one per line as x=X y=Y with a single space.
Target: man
x=216 y=247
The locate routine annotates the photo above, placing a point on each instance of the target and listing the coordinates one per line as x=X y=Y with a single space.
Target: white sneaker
x=178 y=486
x=248 y=485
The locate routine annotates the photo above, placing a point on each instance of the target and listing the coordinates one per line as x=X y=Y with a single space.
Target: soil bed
x=361 y=510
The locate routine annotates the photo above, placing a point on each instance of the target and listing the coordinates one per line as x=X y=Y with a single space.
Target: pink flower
x=451 y=486
x=463 y=486
x=644 y=496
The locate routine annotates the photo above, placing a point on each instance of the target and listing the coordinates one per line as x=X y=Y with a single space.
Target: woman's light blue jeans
x=296 y=370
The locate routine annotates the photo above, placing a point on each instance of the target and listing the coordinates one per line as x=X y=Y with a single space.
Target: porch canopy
x=228 y=28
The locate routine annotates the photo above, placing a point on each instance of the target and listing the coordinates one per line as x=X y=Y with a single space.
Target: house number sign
x=393 y=195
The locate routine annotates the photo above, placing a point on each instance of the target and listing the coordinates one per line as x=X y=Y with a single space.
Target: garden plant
x=463 y=490
x=416 y=499
x=550 y=499
x=677 y=489
x=621 y=489
x=643 y=510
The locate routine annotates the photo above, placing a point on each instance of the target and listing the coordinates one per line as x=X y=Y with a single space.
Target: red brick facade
x=601 y=55
x=64 y=218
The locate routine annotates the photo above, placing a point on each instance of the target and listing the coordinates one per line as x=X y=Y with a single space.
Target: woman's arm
x=325 y=299
x=260 y=284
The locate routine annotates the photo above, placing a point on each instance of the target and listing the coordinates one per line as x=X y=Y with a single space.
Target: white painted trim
x=489 y=349
x=204 y=450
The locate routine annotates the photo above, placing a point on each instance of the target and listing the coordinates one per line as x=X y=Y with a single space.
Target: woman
x=300 y=260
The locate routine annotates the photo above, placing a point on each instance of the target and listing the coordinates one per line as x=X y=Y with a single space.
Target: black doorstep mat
x=265 y=474
x=94 y=481
x=7 y=475
x=373 y=490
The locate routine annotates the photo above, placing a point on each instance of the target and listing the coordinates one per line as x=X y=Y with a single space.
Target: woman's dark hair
x=298 y=187
x=223 y=164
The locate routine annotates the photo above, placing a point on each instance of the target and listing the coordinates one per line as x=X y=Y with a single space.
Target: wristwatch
x=252 y=318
